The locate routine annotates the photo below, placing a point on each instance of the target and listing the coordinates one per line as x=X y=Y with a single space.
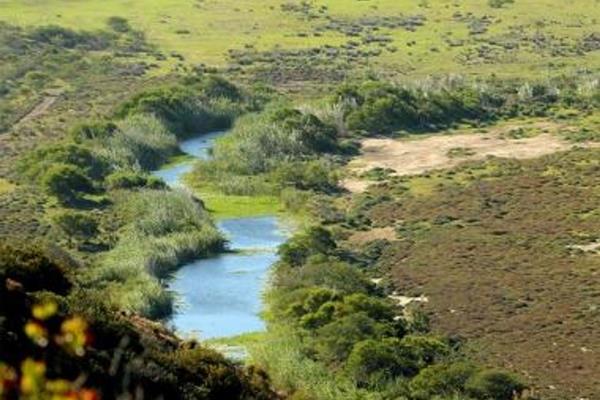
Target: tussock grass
x=166 y=228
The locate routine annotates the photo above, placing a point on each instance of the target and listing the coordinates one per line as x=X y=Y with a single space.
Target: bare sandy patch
x=387 y=233
x=416 y=156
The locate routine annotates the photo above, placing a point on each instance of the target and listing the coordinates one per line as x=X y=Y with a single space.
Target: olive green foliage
x=124 y=179
x=188 y=111
x=66 y=183
x=314 y=241
x=66 y=171
x=141 y=141
x=379 y=107
x=346 y=324
x=34 y=164
x=77 y=224
x=499 y=3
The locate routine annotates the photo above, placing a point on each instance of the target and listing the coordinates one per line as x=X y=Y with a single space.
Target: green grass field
x=527 y=38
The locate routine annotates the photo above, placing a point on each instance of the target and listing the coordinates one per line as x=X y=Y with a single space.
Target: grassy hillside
x=524 y=38
x=453 y=264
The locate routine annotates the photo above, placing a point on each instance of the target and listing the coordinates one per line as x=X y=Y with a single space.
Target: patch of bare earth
x=387 y=233
x=416 y=156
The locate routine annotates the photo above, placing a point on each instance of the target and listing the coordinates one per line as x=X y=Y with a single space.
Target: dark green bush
x=34 y=164
x=444 y=380
x=376 y=362
x=67 y=38
x=66 y=183
x=315 y=240
x=35 y=267
x=77 y=224
x=494 y=385
x=327 y=273
x=334 y=341
x=93 y=130
x=118 y=24
x=133 y=180
x=315 y=175
x=380 y=108
x=216 y=87
x=184 y=111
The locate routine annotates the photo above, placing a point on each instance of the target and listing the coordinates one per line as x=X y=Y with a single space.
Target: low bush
x=35 y=266
x=313 y=241
x=66 y=183
x=184 y=111
x=133 y=180
x=33 y=165
x=494 y=385
x=77 y=224
x=444 y=380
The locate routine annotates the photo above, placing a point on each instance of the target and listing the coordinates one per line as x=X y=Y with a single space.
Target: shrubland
x=56 y=342
x=332 y=319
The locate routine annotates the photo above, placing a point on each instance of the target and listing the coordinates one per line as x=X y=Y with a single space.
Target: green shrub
x=425 y=350
x=444 y=380
x=67 y=38
x=132 y=180
x=315 y=240
x=93 y=130
x=334 y=342
x=35 y=267
x=326 y=273
x=318 y=175
x=66 y=183
x=494 y=385
x=499 y=3
x=376 y=362
x=33 y=165
x=216 y=87
x=182 y=110
x=77 y=224
x=118 y=24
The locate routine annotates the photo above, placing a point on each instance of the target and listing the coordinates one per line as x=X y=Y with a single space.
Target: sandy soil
x=388 y=233
x=416 y=156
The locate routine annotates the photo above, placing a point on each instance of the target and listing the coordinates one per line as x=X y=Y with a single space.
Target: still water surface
x=221 y=296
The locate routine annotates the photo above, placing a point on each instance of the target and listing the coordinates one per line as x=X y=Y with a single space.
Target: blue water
x=222 y=296
x=199 y=148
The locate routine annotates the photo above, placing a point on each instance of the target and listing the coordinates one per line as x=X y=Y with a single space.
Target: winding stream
x=221 y=296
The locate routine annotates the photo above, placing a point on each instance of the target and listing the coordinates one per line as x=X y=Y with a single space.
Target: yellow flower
x=45 y=310
x=33 y=375
x=74 y=335
x=37 y=333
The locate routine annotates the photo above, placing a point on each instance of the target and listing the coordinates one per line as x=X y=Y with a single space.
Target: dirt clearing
x=416 y=156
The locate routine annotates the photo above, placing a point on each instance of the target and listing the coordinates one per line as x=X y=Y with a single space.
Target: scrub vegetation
x=469 y=280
